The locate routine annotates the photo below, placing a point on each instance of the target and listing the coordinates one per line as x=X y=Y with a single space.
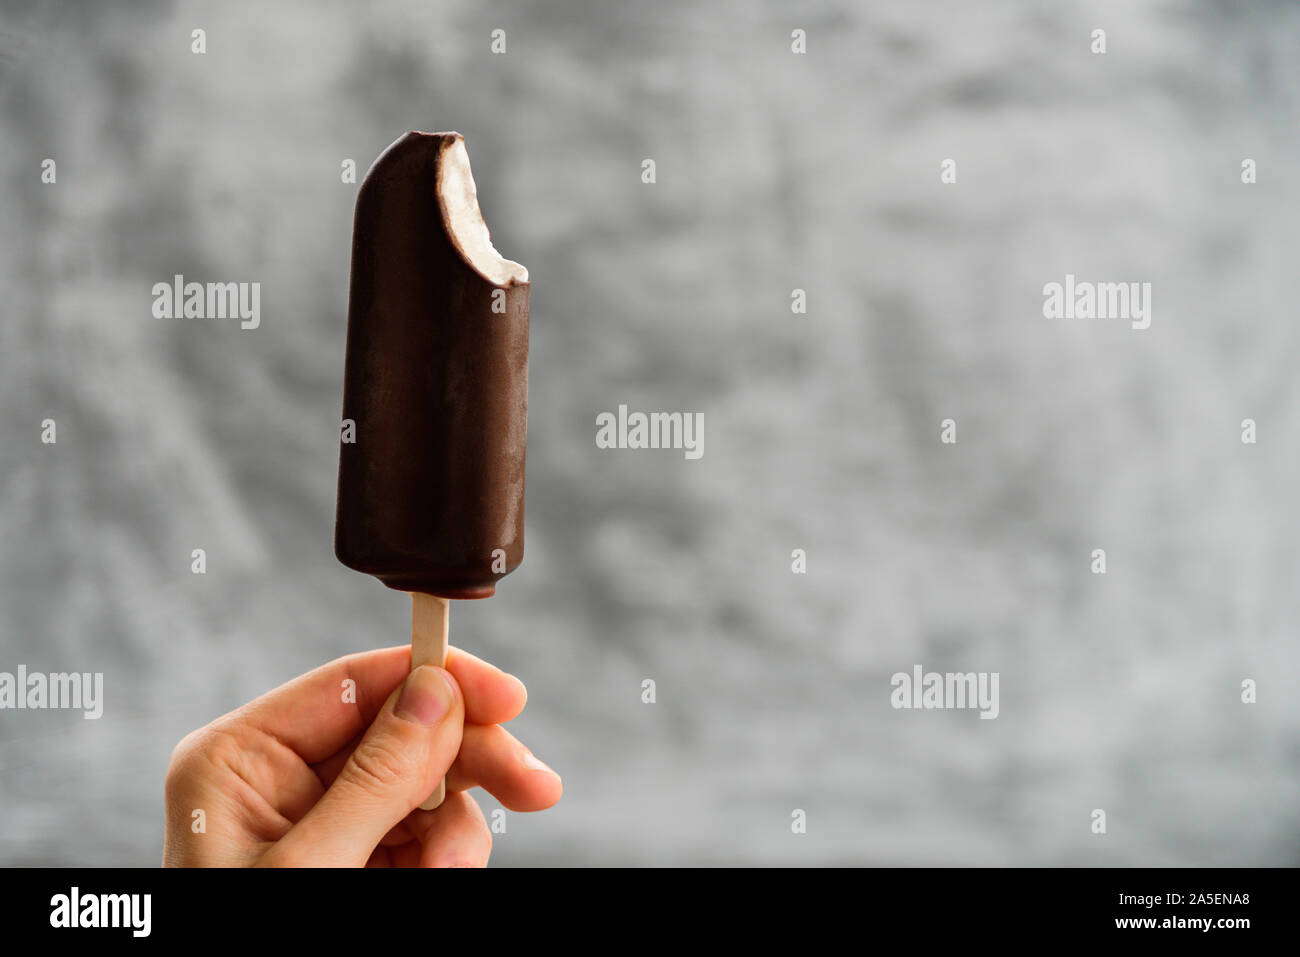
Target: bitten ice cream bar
x=431 y=489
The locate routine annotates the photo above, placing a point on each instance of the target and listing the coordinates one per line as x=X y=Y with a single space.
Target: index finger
x=492 y=696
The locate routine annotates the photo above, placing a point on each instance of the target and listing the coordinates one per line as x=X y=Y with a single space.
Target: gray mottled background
x=775 y=171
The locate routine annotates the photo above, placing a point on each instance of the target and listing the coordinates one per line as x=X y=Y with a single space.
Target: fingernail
x=425 y=698
x=533 y=763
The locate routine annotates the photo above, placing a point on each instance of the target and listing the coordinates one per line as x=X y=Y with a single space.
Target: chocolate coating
x=437 y=384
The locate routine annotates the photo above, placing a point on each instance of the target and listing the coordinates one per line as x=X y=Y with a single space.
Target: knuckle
x=197 y=753
x=181 y=754
x=376 y=767
x=186 y=757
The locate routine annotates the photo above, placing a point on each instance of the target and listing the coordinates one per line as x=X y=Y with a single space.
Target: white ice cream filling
x=465 y=221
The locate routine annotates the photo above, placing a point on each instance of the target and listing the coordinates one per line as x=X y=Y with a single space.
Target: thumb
x=407 y=751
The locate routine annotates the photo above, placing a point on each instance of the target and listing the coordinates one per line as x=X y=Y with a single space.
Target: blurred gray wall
x=775 y=172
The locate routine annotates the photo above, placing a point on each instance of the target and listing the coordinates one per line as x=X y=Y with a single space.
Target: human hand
x=302 y=777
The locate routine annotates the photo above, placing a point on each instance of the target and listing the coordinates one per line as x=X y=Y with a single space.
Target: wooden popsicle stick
x=430 y=621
